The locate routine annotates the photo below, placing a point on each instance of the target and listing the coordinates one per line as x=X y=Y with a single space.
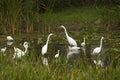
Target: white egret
x=3 y=50
x=18 y=52
x=44 y=48
x=83 y=43
x=57 y=55
x=97 y=50
x=71 y=41
x=83 y=46
x=9 y=38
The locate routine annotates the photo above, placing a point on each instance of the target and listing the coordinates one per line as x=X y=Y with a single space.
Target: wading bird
x=3 y=50
x=71 y=41
x=97 y=50
x=44 y=48
x=83 y=43
x=57 y=55
x=83 y=46
x=9 y=38
x=18 y=52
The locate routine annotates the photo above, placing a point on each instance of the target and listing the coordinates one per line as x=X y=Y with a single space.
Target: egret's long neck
x=66 y=32
x=58 y=52
x=48 y=39
x=84 y=40
x=101 y=43
x=25 y=49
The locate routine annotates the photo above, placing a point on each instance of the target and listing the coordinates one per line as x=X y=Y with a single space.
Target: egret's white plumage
x=83 y=47
x=44 y=48
x=18 y=52
x=9 y=38
x=97 y=50
x=83 y=43
x=3 y=50
x=74 y=48
x=25 y=46
x=57 y=55
x=71 y=41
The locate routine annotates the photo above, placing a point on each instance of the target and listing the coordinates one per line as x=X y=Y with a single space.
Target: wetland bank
x=31 y=21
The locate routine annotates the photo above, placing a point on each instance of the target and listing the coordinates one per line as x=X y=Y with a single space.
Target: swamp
x=85 y=35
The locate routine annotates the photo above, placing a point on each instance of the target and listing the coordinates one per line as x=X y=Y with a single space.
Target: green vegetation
x=31 y=68
x=27 y=16
x=89 y=18
x=82 y=15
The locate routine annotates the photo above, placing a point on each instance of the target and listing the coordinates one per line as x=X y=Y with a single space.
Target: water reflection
x=9 y=43
x=72 y=55
x=110 y=46
x=45 y=61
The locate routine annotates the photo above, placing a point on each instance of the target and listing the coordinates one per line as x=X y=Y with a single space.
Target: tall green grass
x=18 y=16
x=31 y=68
x=85 y=16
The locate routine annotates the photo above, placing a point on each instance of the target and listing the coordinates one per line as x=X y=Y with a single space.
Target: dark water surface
x=111 y=42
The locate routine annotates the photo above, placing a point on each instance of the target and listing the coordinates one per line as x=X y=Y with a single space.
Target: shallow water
x=111 y=42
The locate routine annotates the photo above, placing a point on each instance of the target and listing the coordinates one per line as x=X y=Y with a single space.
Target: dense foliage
x=25 y=15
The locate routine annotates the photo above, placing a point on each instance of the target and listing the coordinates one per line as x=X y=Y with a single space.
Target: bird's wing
x=96 y=50
x=72 y=41
x=44 y=49
x=20 y=52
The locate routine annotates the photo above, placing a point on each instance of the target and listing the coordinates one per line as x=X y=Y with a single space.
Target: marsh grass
x=18 y=17
x=31 y=68
x=82 y=15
